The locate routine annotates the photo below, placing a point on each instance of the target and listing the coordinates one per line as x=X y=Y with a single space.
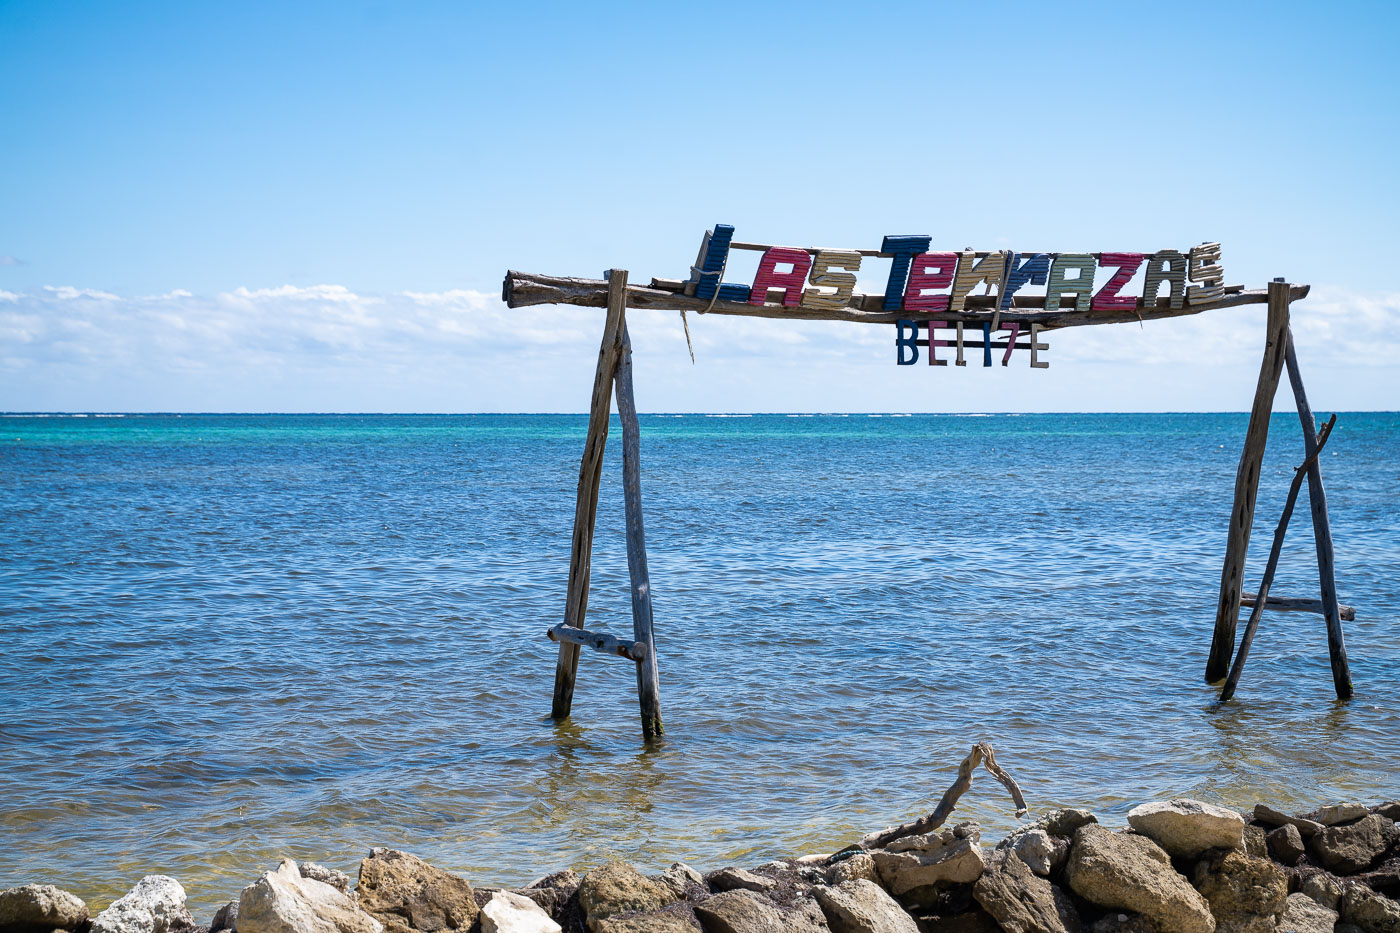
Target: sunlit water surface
x=229 y=639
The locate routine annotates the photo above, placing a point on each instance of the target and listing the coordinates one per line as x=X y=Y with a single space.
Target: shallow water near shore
x=233 y=638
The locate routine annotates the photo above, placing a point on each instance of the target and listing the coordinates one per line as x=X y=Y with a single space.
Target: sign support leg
x=648 y=686
x=1227 y=613
x=1322 y=532
x=589 y=475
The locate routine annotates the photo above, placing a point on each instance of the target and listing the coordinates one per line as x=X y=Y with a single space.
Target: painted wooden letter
x=929 y=272
x=1037 y=362
x=1081 y=286
x=1107 y=298
x=902 y=249
x=906 y=337
x=934 y=342
x=714 y=251
x=1034 y=270
x=1166 y=265
x=1206 y=269
x=790 y=282
x=1015 y=328
x=972 y=273
x=844 y=283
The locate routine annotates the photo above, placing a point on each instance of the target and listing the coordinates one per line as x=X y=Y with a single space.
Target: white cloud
x=69 y=293
x=8 y=296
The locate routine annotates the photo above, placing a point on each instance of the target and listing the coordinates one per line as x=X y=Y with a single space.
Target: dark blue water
x=233 y=638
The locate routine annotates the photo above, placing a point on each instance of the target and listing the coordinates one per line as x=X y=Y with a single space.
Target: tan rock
x=1186 y=828
x=155 y=905
x=863 y=907
x=41 y=907
x=1302 y=914
x=1132 y=873
x=932 y=858
x=282 y=901
x=860 y=866
x=1245 y=894
x=738 y=911
x=650 y=923
x=1340 y=813
x=1019 y=899
x=737 y=879
x=407 y=894
x=1370 y=911
x=617 y=888
x=1348 y=849
x=1322 y=888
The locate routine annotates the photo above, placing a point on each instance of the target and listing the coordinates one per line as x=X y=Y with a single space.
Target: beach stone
x=737 y=879
x=1245 y=894
x=224 y=918
x=1022 y=901
x=650 y=923
x=1041 y=852
x=552 y=891
x=282 y=901
x=406 y=894
x=1324 y=889
x=738 y=911
x=1271 y=817
x=1340 y=813
x=1256 y=841
x=41 y=907
x=805 y=916
x=1346 y=850
x=928 y=859
x=1390 y=811
x=860 y=866
x=1302 y=914
x=1132 y=873
x=1370 y=911
x=336 y=879
x=683 y=880
x=863 y=907
x=1286 y=844
x=617 y=888
x=155 y=905
x=1065 y=821
x=507 y=912
x=1186 y=828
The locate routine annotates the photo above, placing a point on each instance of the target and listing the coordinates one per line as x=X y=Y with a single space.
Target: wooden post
x=1222 y=646
x=589 y=475
x=648 y=685
x=1322 y=532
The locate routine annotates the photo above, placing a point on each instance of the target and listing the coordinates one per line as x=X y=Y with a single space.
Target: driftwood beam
x=525 y=289
x=598 y=641
x=1297 y=604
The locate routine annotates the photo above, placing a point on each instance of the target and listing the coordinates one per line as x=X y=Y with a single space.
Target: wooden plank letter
x=1061 y=283
x=790 y=282
x=1206 y=269
x=972 y=273
x=714 y=251
x=934 y=342
x=1166 y=265
x=1107 y=298
x=906 y=337
x=1034 y=270
x=929 y=272
x=902 y=249
x=1015 y=328
x=844 y=283
x=1037 y=362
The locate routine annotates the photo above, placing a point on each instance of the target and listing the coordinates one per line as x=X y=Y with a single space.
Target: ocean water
x=233 y=638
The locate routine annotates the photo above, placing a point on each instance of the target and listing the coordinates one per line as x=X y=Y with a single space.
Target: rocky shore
x=1181 y=866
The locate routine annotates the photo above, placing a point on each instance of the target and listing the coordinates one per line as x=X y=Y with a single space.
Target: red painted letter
x=1108 y=298
x=791 y=283
x=929 y=271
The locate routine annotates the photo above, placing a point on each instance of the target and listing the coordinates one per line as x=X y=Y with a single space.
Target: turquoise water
x=230 y=638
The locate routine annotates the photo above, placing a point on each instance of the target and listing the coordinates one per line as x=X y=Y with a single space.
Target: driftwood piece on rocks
x=1262 y=599
x=981 y=754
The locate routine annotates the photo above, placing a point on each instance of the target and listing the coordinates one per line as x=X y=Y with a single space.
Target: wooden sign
x=933 y=290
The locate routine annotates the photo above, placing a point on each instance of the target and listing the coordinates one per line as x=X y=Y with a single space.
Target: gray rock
x=224 y=918
x=41 y=907
x=406 y=894
x=617 y=888
x=1245 y=894
x=1286 y=844
x=1370 y=911
x=282 y=901
x=650 y=923
x=805 y=916
x=929 y=859
x=553 y=891
x=506 y=912
x=863 y=907
x=1340 y=813
x=1324 y=889
x=1041 y=852
x=1346 y=850
x=155 y=905
x=1390 y=811
x=737 y=879
x=860 y=866
x=336 y=879
x=1302 y=914
x=1066 y=821
x=1132 y=873
x=683 y=880
x=1256 y=841
x=1186 y=828
x=1018 y=899
x=738 y=911
x=1271 y=817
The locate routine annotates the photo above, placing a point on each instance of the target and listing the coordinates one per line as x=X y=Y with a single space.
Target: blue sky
x=232 y=207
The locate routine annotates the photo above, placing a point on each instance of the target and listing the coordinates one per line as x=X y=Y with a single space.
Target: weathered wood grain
x=1271 y=567
x=648 y=682
x=1322 y=532
x=525 y=289
x=589 y=475
x=1297 y=604
x=1227 y=612
x=599 y=641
